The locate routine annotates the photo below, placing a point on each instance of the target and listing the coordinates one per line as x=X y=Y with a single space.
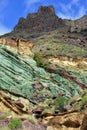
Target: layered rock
x=17 y=104
x=21 y=46
x=23 y=77
x=69 y=121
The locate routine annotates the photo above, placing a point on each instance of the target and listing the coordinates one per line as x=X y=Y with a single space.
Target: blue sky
x=11 y=10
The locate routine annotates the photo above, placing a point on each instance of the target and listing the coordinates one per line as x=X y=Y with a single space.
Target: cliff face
x=44 y=20
x=81 y=25
x=78 y=26
x=21 y=46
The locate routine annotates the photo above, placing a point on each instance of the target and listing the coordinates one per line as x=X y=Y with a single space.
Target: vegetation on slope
x=63 y=44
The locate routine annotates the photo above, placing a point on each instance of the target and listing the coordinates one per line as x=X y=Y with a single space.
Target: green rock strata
x=21 y=76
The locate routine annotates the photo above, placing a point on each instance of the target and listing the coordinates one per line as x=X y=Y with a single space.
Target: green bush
x=15 y=123
x=60 y=102
x=40 y=61
x=84 y=99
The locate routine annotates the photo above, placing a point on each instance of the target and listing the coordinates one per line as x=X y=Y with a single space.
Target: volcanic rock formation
x=45 y=20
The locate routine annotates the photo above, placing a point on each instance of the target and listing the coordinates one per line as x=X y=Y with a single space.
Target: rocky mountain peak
x=46 y=10
x=44 y=20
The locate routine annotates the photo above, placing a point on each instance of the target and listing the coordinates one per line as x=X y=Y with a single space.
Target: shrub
x=84 y=99
x=40 y=61
x=60 y=102
x=15 y=123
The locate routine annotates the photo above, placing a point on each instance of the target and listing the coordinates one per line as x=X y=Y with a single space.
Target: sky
x=12 y=10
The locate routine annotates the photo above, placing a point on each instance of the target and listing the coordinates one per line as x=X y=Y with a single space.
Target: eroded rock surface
x=21 y=75
x=20 y=46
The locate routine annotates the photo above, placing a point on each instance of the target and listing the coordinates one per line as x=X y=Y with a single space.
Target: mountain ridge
x=51 y=35
x=46 y=20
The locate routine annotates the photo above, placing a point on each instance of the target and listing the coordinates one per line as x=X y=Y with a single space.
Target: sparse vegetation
x=84 y=100
x=57 y=44
x=4 y=115
x=15 y=123
x=5 y=128
x=32 y=120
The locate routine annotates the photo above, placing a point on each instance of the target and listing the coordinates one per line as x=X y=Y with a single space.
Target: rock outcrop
x=21 y=46
x=44 y=20
x=17 y=104
x=69 y=121
x=81 y=25
x=78 y=26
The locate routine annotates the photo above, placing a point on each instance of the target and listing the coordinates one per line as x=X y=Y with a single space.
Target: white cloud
x=64 y=16
x=30 y=4
x=81 y=11
x=3 y=29
x=69 y=12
